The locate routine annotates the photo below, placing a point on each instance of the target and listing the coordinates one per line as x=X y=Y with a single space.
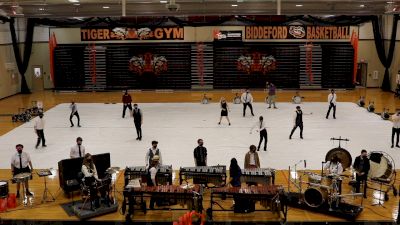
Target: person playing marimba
x=21 y=163
x=151 y=178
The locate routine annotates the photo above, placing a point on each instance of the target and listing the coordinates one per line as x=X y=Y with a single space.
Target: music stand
x=45 y=173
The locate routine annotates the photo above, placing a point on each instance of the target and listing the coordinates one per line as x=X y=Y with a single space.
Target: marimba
x=164 y=174
x=269 y=196
x=191 y=197
x=204 y=174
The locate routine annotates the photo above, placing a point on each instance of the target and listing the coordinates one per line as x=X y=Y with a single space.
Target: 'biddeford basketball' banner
x=298 y=32
x=124 y=33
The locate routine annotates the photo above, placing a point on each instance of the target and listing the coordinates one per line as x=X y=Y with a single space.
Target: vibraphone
x=164 y=174
x=174 y=194
x=269 y=196
x=265 y=176
x=204 y=174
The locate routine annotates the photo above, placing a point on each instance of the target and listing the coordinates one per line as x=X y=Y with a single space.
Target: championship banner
x=297 y=32
x=127 y=33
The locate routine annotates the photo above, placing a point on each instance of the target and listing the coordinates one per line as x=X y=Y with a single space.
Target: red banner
x=354 y=43
x=52 y=46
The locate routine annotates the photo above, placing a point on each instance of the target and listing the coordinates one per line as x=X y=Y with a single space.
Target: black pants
x=329 y=110
x=263 y=135
x=361 y=179
x=397 y=132
x=129 y=105
x=138 y=126
x=77 y=116
x=295 y=127
x=40 y=135
x=245 y=106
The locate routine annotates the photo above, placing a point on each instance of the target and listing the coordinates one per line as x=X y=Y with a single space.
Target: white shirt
x=334 y=168
x=87 y=173
x=247 y=97
x=73 y=108
x=333 y=98
x=153 y=173
x=258 y=127
x=39 y=124
x=25 y=160
x=146 y=159
x=396 y=120
x=252 y=159
x=75 y=151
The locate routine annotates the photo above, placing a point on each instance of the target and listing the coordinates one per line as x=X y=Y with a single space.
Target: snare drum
x=3 y=189
x=314 y=178
x=296 y=99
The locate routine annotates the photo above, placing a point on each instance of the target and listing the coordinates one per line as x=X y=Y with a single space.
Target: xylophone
x=164 y=174
x=204 y=174
x=264 y=176
x=191 y=197
x=245 y=198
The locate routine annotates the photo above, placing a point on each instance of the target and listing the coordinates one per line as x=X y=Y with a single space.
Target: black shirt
x=200 y=155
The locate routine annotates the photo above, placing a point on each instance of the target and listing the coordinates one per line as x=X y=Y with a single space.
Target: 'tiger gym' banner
x=127 y=33
x=298 y=32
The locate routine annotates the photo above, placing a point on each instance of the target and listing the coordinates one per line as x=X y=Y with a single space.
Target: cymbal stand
x=47 y=191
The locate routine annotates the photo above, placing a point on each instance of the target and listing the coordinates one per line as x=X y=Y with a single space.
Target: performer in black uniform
x=224 y=110
x=361 y=165
x=200 y=154
x=138 y=120
x=298 y=122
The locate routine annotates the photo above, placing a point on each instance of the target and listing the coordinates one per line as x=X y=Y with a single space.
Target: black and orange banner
x=298 y=32
x=124 y=33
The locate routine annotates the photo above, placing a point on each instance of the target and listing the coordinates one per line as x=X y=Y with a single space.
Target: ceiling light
x=389 y=2
x=73 y=1
x=299 y=5
x=362 y=6
x=77 y=4
x=106 y=7
x=41 y=9
x=163 y=1
x=234 y=5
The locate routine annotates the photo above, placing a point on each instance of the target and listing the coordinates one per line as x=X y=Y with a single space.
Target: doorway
x=361 y=78
x=37 y=78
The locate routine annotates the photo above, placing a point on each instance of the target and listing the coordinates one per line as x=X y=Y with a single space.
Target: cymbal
x=21 y=176
x=112 y=169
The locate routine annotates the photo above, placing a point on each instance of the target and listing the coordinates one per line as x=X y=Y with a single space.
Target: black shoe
x=252 y=114
x=140 y=138
x=229 y=124
x=28 y=193
x=301 y=137
x=334 y=117
x=397 y=146
x=275 y=108
x=258 y=149
x=290 y=137
x=17 y=196
x=36 y=146
x=392 y=146
x=72 y=125
x=79 y=125
x=269 y=107
x=219 y=123
x=44 y=146
x=137 y=138
x=326 y=117
x=265 y=149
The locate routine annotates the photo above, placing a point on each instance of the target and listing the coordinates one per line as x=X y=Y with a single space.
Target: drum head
x=381 y=166
x=343 y=155
x=314 y=197
x=297 y=99
x=2 y=182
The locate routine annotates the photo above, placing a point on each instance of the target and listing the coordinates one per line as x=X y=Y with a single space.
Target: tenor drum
x=315 y=197
x=3 y=189
x=343 y=155
x=381 y=166
x=314 y=178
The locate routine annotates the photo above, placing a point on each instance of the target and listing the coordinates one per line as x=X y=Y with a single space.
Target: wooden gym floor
x=53 y=212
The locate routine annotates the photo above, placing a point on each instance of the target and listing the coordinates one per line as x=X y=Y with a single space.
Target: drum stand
x=47 y=191
x=379 y=203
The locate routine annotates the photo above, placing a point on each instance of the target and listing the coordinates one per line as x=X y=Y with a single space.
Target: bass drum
x=296 y=100
x=343 y=155
x=381 y=166
x=315 y=197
